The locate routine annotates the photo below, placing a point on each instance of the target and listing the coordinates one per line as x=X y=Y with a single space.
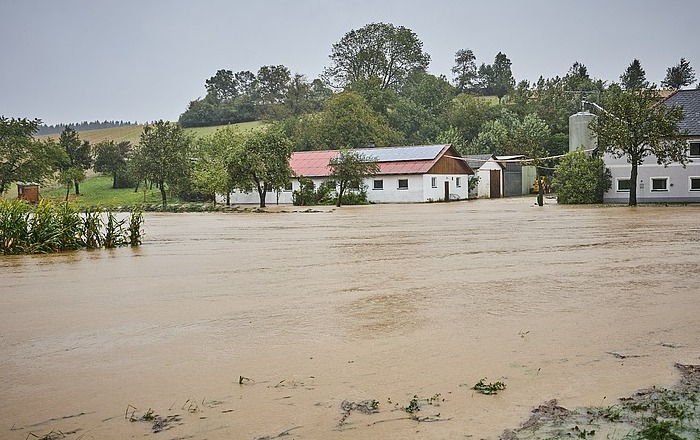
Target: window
x=458 y=182
x=403 y=183
x=623 y=185
x=695 y=183
x=695 y=148
x=433 y=182
x=659 y=183
x=378 y=184
x=288 y=186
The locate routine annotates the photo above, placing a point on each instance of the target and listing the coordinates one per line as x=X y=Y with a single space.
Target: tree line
x=44 y=129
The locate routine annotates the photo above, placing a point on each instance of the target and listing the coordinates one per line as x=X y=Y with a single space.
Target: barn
x=410 y=174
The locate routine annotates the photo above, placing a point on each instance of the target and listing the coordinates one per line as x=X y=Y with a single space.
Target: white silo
x=579 y=132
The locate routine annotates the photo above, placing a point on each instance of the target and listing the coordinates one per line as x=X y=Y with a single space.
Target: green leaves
x=579 y=179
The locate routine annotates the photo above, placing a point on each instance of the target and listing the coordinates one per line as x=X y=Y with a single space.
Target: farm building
x=502 y=176
x=659 y=183
x=412 y=174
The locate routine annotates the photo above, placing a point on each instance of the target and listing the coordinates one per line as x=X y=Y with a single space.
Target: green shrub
x=580 y=179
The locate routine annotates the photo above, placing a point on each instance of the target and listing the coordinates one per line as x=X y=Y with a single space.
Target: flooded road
x=260 y=325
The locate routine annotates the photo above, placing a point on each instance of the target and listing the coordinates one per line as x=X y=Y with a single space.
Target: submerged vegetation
x=49 y=227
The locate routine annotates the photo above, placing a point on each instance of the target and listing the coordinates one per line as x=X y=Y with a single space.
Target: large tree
x=22 y=157
x=348 y=121
x=465 y=71
x=163 y=155
x=497 y=78
x=679 y=76
x=222 y=85
x=271 y=84
x=111 y=157
x=634 y=76
x=79 y=159
x=349 y=169
x=215 y=169
x=377 y=50
x=262 y=162
x=419 y=113
x=633 y=125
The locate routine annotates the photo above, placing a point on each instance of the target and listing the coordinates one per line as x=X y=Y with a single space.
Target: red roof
x=315 y=163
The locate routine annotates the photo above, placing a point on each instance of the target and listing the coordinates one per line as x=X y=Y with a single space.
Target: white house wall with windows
x=658 y=183
x=412 y=174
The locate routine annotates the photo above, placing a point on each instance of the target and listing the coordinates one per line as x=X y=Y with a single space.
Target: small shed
x=28 y=192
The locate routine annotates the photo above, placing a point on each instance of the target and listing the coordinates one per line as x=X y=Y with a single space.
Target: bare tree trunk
x=68 y=190
x=77 y=188
x=261 y=192
x=633 y=184
x=162 y=194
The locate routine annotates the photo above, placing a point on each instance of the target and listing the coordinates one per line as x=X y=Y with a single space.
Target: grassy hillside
x=132 y=133
x=97 y=191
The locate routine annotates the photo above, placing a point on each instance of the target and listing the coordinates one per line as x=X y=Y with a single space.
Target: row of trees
x=377 y=91
x=81 y=126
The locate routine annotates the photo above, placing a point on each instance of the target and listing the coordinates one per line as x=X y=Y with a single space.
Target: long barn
x=410 y=174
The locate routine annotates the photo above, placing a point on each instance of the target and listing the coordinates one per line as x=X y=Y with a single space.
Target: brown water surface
x=385 y=302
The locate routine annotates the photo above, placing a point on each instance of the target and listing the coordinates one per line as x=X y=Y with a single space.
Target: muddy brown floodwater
x=383 y=302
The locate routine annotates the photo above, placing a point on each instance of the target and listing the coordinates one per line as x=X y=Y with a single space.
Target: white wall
x=678 y=187
x=419 y=190
x=484 y=173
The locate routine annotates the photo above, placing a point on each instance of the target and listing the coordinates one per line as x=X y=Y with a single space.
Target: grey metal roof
x=475 y=161
x=398 y=154
x=689 y=100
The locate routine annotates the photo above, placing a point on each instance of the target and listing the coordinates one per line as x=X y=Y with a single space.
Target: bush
x=580 y=179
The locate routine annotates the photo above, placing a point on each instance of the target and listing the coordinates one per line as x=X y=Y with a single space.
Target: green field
x=132 y=133
x=97 y=191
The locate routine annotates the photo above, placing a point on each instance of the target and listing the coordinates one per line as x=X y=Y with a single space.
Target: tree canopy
x=634 y=125
x=78 y=159
x=679 y=76
x=111 y=157
x=163 y=156
x=349 y=169
x=377 y=50
x=24 y=158
x=262 y=162
x=634 y=76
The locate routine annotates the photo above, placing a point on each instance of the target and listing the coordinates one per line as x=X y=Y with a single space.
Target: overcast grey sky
x=144 y=60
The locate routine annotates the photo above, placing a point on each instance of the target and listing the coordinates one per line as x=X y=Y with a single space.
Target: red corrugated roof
x=315 y=163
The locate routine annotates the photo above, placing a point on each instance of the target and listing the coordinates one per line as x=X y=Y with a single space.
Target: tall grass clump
x=49 y=227
x=14 y=234
x=135 y=226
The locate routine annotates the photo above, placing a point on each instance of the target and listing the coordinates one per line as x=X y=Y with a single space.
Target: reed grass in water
x=49 y=227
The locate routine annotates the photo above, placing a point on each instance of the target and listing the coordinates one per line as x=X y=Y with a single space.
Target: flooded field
x=290 y=324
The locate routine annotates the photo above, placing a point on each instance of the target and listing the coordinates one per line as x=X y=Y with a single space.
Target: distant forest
x=82 y=126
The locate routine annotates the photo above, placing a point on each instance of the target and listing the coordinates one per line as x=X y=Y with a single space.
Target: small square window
x=403 y=183
x=433 y=182
x=378 y=184
x=288 y=186
x=458 y=182
x=695 y=148
x=623 y=185
x=659 y=183
x=695 y=183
